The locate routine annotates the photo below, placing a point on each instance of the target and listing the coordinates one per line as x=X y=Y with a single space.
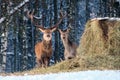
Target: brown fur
x=43 y=52
x=43 y=49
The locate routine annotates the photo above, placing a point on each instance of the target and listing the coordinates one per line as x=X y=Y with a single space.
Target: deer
x=43 y=49
x=70 y=47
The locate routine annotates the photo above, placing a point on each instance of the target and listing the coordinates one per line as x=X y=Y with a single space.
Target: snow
x=118 y=1
x=81 y=75
x=10 y=53
x=109 y=18
x=2 y=19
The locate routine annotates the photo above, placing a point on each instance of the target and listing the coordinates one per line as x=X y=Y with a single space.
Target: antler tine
x=30 y=15
x=62 y=15
x=61 y=18
x=32 y=12
x=70 y=26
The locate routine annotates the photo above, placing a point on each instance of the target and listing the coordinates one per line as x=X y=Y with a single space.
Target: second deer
x=70 y=47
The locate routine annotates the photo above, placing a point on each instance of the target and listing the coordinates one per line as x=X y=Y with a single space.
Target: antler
x=31 y=16
x=61 y=18
x=69 y=26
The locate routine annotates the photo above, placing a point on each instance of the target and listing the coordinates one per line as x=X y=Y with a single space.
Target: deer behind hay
x=70 y=47
x=43 y=49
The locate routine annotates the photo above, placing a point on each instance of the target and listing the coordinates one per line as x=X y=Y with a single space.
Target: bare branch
x=19 y=6
x=14 y=10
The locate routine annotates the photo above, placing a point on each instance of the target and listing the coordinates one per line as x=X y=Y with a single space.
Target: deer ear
x=53 y=29
x=60 y=30
x=42 y=30
x=68 y=30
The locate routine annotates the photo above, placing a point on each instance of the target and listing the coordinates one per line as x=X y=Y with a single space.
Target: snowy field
x=81 y=75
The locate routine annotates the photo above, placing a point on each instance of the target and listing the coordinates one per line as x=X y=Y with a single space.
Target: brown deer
x=43 y=49
x=70 y=47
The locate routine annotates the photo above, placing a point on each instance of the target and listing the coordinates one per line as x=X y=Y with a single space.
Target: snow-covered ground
x=108 y=18
x=81 y=75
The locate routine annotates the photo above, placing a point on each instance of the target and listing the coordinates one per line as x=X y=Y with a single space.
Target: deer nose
x=48 y=35
x=63 y=37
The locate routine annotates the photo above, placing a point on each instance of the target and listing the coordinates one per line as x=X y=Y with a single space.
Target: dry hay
x=100 y=44
x=100 y=37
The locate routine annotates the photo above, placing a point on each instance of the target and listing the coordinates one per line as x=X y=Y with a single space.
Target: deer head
x=47 y=32
x=64 y=33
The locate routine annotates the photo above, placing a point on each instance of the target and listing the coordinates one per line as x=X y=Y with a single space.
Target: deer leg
x=43 y=62
x=47 y=61
x=38 y=62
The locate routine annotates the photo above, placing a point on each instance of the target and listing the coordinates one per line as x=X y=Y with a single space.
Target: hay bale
x=101 y=36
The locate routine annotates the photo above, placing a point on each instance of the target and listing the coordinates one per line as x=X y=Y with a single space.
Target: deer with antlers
x=70 y=47
x=43 y=49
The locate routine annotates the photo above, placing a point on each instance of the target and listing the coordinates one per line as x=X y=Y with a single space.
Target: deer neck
x=47 y=44
x=67 y=43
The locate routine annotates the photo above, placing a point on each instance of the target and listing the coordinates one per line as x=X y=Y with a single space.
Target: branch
x=19 y=6
x=14 y=10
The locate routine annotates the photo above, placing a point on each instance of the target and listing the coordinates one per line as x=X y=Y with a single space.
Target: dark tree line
x=18 y=35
